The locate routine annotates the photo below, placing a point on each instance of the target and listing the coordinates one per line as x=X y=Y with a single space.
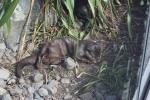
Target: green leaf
x=101 y=14
x=70 y=6
x=92 y=4
x=8 y=23
x=129 y=19
x=65 y=23
x=8 y=12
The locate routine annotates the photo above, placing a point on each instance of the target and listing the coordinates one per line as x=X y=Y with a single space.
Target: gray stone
x=2 y=46
x=65 y=80
x=6 y=97
x=57 y=77
x=52 y=83
x=87 y=96
x=36 y=95
x=68 y=97
x=2 y=83
x=36 y=86
x=38 y=77
x=70 y=63
x=11 y=81
x=21 y=81
x=18 y=20
x=40 y=99
x=25 y=92
x=52 y=90
x=2 y=91
x=4 y=74
x=15 y=91
x=111 y=97
x=43 y=92
x=30 y=97
x=52 y=86
x=31 y=90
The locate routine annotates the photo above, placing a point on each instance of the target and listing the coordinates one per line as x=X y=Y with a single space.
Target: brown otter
x=55 y=52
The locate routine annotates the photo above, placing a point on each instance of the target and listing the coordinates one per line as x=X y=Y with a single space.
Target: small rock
x=11 y=81
x=31 y=90
x=15 y=91
x=87 y=96
x=25 y=92
x=2 y=83
x=6 y=97
x=4 y=74
x=70 y=63
x=21 y=81
x=36 y=95
x=43 y=92
x=41 y=99
x=37 y=85
x=53 y=83
x=30 y=97
x=2 y=46
x=1 y=52
x=111 y=97
x=52 y=86
x=67 y=97
x=57 y=77
x=2 y=91
x=52 y=90
x=38 y=77
x=65 y=80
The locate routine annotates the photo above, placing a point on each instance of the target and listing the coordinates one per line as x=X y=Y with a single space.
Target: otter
x=57 y=50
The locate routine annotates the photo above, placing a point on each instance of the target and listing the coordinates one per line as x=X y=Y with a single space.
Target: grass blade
x=92 y=6
x=9 y=11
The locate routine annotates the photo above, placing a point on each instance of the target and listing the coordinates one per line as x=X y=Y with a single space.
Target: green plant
x=112 y=78
x=8 y=7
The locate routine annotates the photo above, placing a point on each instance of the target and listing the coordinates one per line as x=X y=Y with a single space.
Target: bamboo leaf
x=65 y=23
x=8 y=24
x=101 y=14
x=92 y=6
x=129 y=20
x=70 y=6
x=8 y=12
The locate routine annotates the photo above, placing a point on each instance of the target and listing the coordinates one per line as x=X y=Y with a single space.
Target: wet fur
x=55 y=52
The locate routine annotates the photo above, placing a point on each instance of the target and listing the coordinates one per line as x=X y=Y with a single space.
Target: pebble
x=31 y=90
x=38 y=77
x=52 y=83
x=4 y=74
x=6 y=97
x=21 y=81
x=65 y=80
x=30 y=97
x=57 y=77
x=36 y=95
x=2 y=91
x=2 y=83
x=43 y=92
x=36 y=86
x=67 y=97
x=70 y=63
x=52 y=86
x=11 y=81
x=15 y=91
x=52 y=90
